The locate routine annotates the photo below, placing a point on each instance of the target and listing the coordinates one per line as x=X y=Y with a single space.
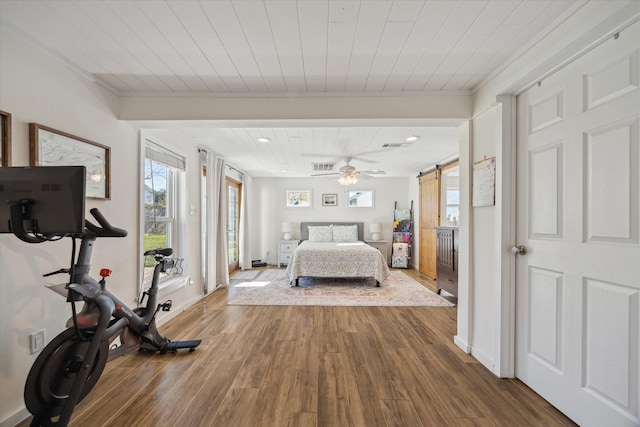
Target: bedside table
x=380 y=245
x=285 y=251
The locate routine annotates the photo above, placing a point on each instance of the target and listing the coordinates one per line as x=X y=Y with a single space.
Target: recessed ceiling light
x=284 y=170
x=412 y=138
x=264 y=139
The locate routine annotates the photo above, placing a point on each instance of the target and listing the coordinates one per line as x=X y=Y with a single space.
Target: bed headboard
x=304 y=231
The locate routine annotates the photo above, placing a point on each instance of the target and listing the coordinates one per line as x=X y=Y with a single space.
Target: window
x=361 y=199
x=450 y=196
x=163 y=181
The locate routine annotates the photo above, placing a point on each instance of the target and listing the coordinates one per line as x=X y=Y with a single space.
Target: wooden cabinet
x=382 y=246
x=285 y=251
x=447 y=259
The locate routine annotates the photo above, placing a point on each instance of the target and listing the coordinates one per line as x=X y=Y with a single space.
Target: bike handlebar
x=105 y=229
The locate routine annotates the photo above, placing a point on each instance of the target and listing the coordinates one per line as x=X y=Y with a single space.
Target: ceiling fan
x=361 y=157
x=349 y=174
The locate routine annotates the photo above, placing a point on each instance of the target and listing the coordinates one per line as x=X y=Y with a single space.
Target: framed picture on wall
x=5 y=139
x=329 y=200
x=361 y=199
x=50 y=147
x=298 y=198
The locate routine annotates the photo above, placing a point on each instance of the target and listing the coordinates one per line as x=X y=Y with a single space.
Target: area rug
x=245 y=275
x=272 y=287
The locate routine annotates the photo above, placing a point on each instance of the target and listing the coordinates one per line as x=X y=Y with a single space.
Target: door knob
x=519 y=250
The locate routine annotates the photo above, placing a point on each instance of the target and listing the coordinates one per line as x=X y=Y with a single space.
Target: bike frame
x=97 y=298
x=106 y=305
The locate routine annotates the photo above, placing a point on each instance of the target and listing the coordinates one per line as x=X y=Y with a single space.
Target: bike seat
x=159 y=251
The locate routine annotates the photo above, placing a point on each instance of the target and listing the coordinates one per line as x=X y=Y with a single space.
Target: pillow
x=345 y=233
x=320 y=233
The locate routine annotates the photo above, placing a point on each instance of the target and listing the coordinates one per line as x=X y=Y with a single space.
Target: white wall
x=484 y=276
x=269 y=201
x=38 y=88
x=465 y=294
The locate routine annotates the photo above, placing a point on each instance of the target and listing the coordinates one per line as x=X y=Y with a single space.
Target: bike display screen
x=51 y=198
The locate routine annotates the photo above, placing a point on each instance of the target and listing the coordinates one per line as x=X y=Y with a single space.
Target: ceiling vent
x=323 y=167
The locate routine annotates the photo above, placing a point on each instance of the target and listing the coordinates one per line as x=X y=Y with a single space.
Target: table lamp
x=287 y=228
x=375 y=228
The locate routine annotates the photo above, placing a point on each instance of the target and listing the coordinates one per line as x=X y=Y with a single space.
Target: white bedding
x=337 y=259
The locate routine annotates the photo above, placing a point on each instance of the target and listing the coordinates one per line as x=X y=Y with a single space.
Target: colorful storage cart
x=402 y=236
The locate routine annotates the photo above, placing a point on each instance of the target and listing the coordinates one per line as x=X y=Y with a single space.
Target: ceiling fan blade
x=362 y=159
x=364 y=176
x=358 y=156
x=326 y=174
x=373 y=172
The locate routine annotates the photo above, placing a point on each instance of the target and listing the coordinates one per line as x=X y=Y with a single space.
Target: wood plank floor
x=311 y=366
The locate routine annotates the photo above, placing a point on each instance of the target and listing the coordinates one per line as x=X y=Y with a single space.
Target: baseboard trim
x=16 y=418
x=462 y=344
x=477 y=354
x=484 y=359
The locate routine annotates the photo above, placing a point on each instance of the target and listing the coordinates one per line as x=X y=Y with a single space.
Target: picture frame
x=51 y=147
x=298 y=198
x=5 y=139
x=360 y=199
x=330 y=199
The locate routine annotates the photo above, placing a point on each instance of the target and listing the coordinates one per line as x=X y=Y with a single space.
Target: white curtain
x=244 y=245
x=218 y=256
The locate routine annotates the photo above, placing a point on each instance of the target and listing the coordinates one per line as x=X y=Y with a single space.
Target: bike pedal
x=166 y=306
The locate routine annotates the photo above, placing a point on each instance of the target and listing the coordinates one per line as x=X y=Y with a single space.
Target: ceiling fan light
x=347 y=180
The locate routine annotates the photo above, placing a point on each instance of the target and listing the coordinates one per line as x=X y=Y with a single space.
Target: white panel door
x=578 y=285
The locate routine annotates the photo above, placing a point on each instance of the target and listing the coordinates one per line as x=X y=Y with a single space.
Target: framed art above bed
x=329 y=200
x=298 y=199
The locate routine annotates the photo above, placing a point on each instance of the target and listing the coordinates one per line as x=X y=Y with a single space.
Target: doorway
x=234 y=193
x=439 y=206
x=429 y=220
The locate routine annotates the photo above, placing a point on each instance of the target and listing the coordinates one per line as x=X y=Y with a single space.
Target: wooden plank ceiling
x=271 y=47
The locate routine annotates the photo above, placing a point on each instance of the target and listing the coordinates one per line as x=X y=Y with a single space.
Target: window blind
x=159 y=154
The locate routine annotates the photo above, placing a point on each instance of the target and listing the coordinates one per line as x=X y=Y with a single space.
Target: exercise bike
x=105 y=328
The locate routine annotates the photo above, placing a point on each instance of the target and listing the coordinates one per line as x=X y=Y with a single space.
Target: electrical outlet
x=37 y=341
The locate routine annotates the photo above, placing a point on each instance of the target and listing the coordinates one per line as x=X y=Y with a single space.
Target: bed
x=335 y=250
